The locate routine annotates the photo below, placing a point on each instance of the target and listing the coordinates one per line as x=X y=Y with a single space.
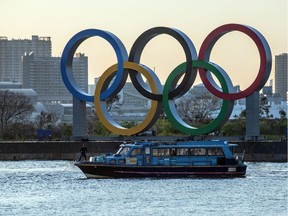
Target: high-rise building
x=43 y=75
x=11 y=51
x=281 y=75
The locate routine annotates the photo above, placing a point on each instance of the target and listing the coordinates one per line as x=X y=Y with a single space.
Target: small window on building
x=198 y=151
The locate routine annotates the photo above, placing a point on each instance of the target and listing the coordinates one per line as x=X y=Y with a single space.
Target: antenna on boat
x=243 y=154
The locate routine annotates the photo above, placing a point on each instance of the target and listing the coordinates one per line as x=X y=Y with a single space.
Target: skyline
x=128 y=20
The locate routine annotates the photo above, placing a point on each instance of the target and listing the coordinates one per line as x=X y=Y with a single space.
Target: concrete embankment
x=68 y=150
x=263 y=151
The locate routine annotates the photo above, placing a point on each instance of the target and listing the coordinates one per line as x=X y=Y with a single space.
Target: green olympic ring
x=169 y=104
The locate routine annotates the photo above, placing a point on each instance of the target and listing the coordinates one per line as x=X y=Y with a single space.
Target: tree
x=128 y=124
x=99 y=129
x=234 y=127
x=264 y=108
x=14 y=107
x=46 y=120
x=197 y=110
x=24 y=130
x=242 y=114
x=163 y=127
x=62 y=131
x=283 y=114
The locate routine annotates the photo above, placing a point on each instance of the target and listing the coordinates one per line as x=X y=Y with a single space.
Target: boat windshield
x=123 y=150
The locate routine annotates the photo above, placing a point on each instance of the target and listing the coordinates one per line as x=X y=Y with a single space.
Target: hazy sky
x=127 y=19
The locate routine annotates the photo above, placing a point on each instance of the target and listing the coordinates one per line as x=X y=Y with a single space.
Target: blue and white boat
x=167 y=160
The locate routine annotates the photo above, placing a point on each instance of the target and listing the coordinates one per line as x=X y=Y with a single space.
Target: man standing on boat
x=83 y=152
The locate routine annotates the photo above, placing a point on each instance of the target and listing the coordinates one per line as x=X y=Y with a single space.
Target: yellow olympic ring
x=101 y=108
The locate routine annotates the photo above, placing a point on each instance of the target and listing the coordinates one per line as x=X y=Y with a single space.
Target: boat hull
x=94 y=170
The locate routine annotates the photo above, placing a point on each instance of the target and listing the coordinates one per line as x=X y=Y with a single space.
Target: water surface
x=59 y=188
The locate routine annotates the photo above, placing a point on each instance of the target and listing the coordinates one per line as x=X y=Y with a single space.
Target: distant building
x=267 y=91
x=11 y=51
x=200 y=90
x=10 y=85
x=65 y=112
x=91 y=89
x=43 y=75
x=132 y=101
x=29 y=93
x=281 y=75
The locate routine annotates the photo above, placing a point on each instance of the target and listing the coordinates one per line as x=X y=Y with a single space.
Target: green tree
x=163 y=127
x=99 y=129
x=128 y=124
x=234 y=127
x=62 y=131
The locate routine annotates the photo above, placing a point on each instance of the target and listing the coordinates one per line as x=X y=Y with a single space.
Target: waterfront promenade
x=262 y=151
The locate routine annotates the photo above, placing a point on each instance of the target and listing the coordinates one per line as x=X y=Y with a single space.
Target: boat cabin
x=200 y=153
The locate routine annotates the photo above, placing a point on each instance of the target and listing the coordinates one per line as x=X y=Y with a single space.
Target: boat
x=167 y=160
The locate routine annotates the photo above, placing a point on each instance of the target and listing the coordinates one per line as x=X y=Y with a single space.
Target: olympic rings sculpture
x=130 y=65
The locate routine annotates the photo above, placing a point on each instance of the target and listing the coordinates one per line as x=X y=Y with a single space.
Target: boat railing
x=240 y=157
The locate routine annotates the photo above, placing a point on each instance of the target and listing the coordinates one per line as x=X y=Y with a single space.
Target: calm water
x=59 y=188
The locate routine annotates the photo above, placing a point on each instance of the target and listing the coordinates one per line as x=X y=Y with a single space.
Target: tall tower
x=43 y=75
x=11 y=51
x=281 y=75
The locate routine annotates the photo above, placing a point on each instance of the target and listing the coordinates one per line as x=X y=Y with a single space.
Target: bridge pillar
x=252 y=117
x=79 y=119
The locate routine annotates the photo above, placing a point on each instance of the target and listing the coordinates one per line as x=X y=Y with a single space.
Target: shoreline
x=68 y=150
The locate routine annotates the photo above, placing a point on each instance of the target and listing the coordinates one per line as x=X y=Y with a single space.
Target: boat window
x=161 y=152
x=173 y=152
x=182 y=152
x=147 y=150
x=198 y=151
x=121 y=161
x=123 y=150
x=136 y=151
x=215 y=151
x=231 y=149
x=112 y=161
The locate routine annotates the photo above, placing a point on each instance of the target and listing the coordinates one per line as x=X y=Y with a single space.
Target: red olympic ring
x=265 y=60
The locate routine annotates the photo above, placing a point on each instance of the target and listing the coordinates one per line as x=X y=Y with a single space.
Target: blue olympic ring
x=67 y=58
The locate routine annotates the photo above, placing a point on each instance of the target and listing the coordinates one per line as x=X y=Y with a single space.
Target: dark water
x=59 y=188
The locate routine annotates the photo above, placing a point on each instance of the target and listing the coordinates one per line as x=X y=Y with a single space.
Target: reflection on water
x=59 y=188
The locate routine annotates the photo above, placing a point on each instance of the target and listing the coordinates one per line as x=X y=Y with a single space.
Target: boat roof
x=183 y=144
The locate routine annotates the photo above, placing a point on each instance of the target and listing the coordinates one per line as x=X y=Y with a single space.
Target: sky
x=127 y=19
